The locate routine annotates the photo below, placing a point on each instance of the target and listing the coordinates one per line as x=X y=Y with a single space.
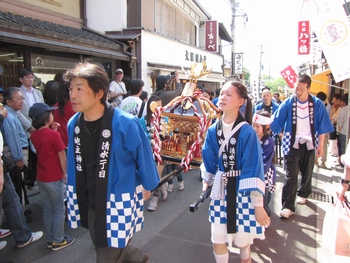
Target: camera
x=172 y=73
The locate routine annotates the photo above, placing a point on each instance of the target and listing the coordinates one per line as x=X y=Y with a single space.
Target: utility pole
x=233 y=12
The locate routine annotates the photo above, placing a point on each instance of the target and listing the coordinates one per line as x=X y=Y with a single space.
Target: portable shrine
x=181 y=125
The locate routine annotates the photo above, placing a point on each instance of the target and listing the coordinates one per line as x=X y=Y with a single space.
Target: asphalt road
x=174 y=234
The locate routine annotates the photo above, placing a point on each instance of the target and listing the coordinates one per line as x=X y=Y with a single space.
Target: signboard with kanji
x=303 y=38
x=238 y=63
x=289 y=76
x=332 y=28
x=211 y=35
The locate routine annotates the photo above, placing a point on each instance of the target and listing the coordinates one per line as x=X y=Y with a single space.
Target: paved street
x=174 y=234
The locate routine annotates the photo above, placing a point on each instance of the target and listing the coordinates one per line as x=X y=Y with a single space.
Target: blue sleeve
x=12 y=139
x=249 y=161
x=281 y=116
x=210 y=151
x=268 y=152
x=138 y=144
x=143 y=125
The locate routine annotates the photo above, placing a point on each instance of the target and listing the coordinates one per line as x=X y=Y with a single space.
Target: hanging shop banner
x=238 y=63
x=303 y=38
x=332 y=28
x=289 y=76
x=315 y=53
x=211 y=35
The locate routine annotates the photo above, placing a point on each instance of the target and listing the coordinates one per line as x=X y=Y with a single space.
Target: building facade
x=163 y=35
x=144 y=38
x=49 y=37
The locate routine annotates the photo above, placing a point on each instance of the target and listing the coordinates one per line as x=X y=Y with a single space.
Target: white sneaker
x=35 y=237
x=4 y=233
x=301 y=200
x=170 y=188
x=3 y=245
x=286 y=213
x=181 y=185
x=164 y=191
x=152 y=205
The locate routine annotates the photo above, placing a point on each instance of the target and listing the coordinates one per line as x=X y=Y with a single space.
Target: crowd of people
x=95 y=136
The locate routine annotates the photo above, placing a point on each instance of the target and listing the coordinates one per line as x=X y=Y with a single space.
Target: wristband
x=345 y=181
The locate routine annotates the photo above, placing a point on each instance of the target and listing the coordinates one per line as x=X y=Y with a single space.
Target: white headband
x=257 y=118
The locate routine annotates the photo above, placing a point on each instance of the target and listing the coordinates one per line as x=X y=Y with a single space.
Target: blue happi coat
x=131 y=165
x=282 y=121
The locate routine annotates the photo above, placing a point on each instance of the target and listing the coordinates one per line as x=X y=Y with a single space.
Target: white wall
x=106 y=15
x=161 y=50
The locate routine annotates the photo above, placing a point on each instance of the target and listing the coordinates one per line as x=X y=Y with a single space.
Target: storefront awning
x=320 y=82
x=23 y=30
x=60 y=46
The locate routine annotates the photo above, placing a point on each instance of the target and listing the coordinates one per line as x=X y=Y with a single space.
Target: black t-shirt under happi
x=90 y=133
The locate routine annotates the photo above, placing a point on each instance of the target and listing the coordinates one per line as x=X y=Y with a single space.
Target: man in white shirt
x=133 y=104
x=117 y=89
x=31 y=96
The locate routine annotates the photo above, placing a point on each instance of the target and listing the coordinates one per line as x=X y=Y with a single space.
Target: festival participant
x=164 y=83
x=267 y=103
x=305 y=121
x=261 y=125
x=109 y=158
x=146 y=123
x=232 y=157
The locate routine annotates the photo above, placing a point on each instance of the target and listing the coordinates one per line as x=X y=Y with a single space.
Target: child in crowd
x=51 y=172
x=261 y=125
x=146 y=123
x=232 y=159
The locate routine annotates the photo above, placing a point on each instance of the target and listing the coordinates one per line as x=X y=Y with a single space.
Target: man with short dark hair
x=109 y=162
x=163 y=84
x=133 y=104
x=267 y=103
x=305 y=121
x=276 y=96
x=31 y=96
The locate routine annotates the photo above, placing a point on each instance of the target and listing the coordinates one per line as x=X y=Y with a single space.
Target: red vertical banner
x=289 y=76
x=211 y=35
x=303 y=38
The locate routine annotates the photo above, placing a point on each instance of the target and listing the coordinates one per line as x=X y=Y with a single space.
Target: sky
x=272 y=28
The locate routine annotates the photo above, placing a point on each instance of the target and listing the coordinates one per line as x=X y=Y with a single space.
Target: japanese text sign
x=238 y=63
x=289 y=76
x=211 y=35
x=303 y=38
x=332 y=28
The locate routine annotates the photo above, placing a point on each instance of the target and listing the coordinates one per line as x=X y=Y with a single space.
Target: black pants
x=129 y=254
x=301 y=160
